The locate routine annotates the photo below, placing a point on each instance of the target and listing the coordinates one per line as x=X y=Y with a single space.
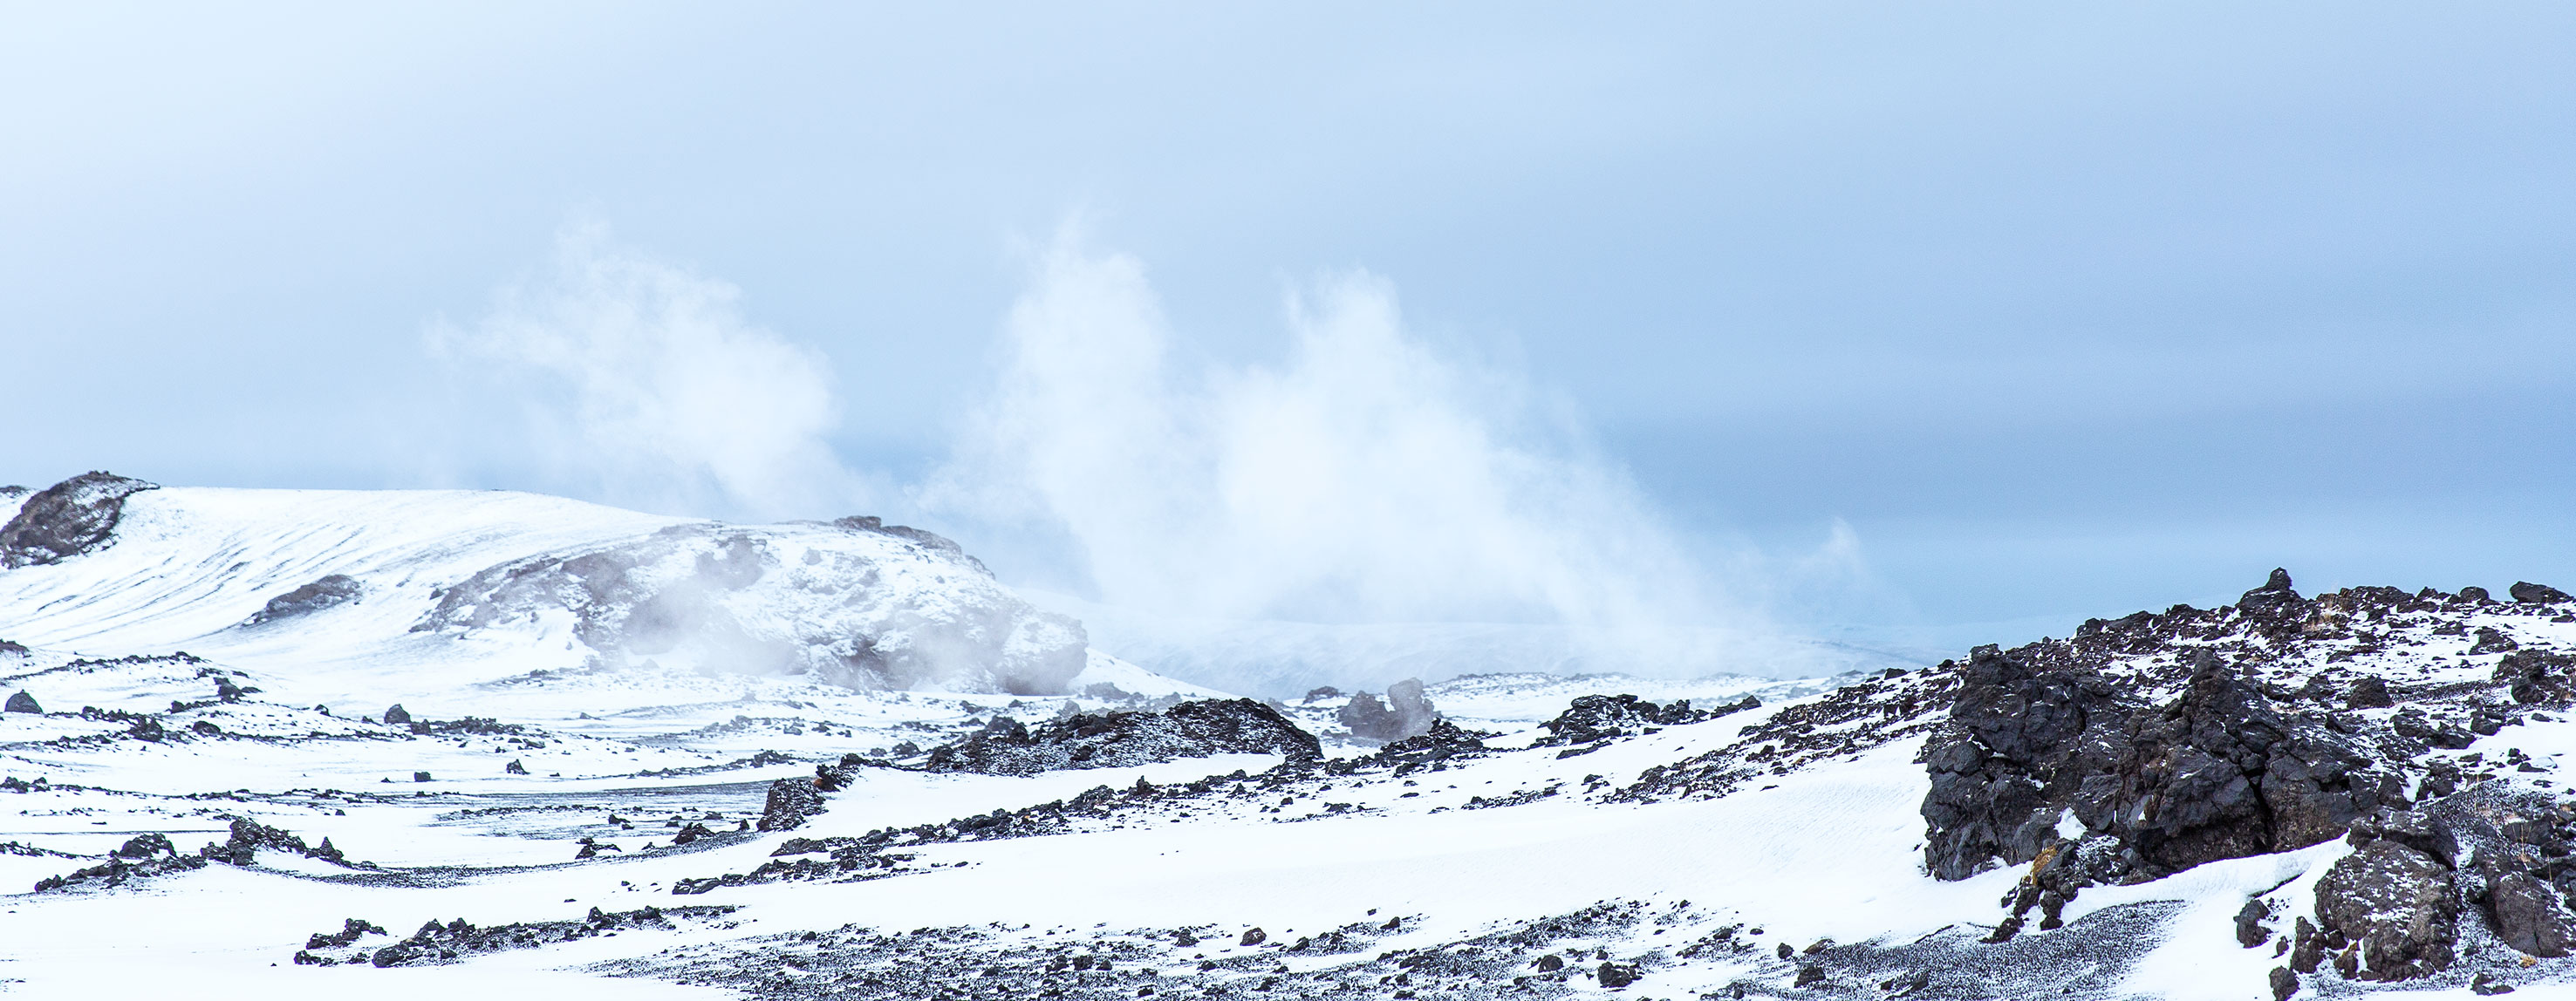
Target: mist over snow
x=1361 y=478
x=1359 y=508
x=641 y=382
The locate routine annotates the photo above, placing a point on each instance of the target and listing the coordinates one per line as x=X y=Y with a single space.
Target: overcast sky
x=2058 y=310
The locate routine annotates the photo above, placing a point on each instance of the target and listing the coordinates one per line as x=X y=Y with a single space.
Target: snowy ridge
x=2373 y=798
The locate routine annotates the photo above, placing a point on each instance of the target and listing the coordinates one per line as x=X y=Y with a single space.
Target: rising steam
x=651 y=388
x=1362 y=478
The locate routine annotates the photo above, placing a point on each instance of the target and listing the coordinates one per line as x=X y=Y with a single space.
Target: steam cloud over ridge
x=1362 y=478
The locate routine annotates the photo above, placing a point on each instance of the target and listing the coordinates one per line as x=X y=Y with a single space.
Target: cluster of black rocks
x=444 y=943
x=1006 y=746
x=153 y=855
x=2151 y=744
x=1592 y=719
x=1405 y=712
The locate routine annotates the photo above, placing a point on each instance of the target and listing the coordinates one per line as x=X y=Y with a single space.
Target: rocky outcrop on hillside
x=2155 y=743
x=67 y=519
x=329 y=591
x=1124 y=739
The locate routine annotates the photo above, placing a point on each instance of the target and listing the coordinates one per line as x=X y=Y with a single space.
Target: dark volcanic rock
x=1602 y=717
x=2022 y=741
x=2395 y=904
x=2529 y=916
x=1404 y=713
x=2537 y=594
x=1123 y=739
x=397 y=716
x=790 y=802
x=67 y=519
x=336 y=589
x=22 y=702
x=2221 y=774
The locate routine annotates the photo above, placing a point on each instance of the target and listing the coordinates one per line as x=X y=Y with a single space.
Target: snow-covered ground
x=555 y=781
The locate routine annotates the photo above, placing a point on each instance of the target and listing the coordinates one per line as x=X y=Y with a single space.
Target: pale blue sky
x=2062 y=310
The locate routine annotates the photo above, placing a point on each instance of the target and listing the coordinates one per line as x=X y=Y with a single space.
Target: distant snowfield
x=1371 y=874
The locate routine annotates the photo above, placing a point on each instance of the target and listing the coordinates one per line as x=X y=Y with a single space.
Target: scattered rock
x=397 y=716
x=2284 y=983
x=1252 y=937
x=1617 y=975
x=23 y=703
x=2370 y=693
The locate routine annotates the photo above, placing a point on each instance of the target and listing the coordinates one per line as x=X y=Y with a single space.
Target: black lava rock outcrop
x=67 y=519
x=21 y=702
x=1594 y=718
x=790 y=802
x=1404 y=713
x=330 y=591
x=2217 y=770
x=1123 y=739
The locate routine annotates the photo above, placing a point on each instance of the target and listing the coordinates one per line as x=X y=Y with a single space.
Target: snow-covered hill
x=420 y=595
x=629 y=766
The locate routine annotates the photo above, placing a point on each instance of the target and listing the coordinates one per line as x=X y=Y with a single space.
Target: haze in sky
x=1946 y=325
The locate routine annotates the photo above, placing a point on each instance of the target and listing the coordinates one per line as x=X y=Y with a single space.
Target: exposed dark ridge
x=76 y=516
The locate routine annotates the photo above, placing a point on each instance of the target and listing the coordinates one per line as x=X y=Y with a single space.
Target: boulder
x=21 y=702
x=1404 y=713
x=76 y=516
x=790 y=802
x=336 y=589
x=2530 y=917
x=2398 y=904
x=2529 y=593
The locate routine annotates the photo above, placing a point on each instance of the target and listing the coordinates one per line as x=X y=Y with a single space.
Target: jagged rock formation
x=67 y=519
x=1122 y=739
x=1593 y=718
x=2156 y=743
x=1404 y=713
x=331 y=590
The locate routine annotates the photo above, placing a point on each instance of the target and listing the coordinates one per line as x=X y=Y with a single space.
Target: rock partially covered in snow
x=67 y=519
x=1602 y=717
x=2395 y=905
x=1124 y=739
x=1404 y=713
x=332 y=589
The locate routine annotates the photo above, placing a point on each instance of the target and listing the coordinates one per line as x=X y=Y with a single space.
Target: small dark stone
x=396 y=716
x=23 y=703
x=1809 y=976
x=420 y=776
x=2370 y=693
x=2284 y=983
x=1252 y=937
x=1617 y=975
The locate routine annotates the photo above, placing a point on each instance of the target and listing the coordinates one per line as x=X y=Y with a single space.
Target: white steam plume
x=1364 y=478
x=656 y=391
